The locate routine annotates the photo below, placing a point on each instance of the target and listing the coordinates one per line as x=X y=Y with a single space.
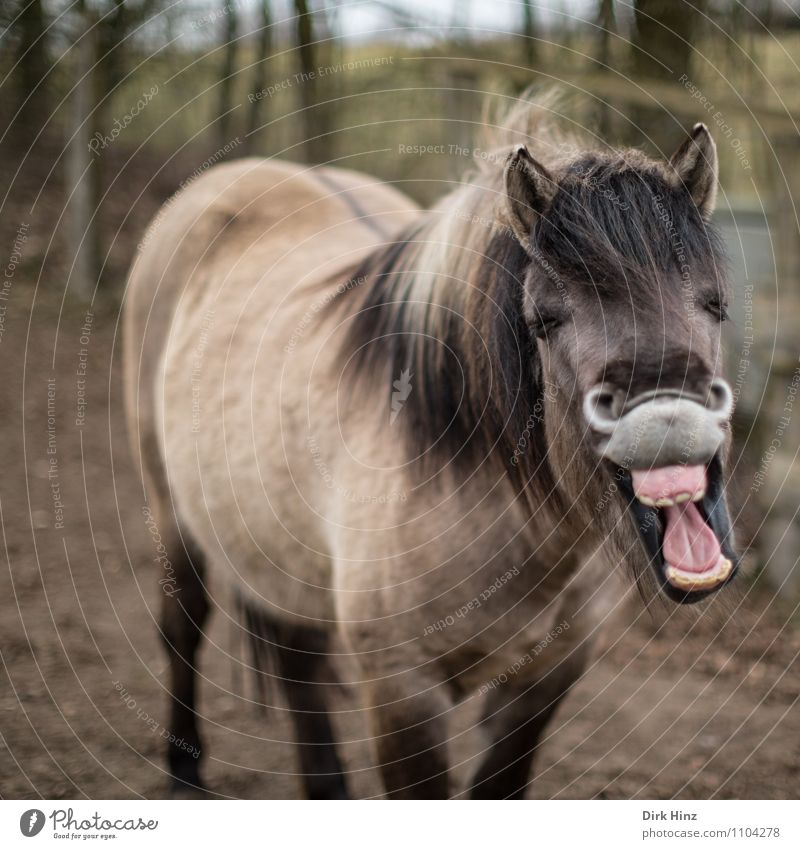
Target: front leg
x=409 y=724
x=516 y=715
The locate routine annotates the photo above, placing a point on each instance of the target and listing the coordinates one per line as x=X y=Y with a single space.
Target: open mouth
x=682 y=518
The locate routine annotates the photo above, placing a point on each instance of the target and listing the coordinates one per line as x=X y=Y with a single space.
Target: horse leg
x=516 y=717
x=183 y=613
x=307 y=676
x=410 y=731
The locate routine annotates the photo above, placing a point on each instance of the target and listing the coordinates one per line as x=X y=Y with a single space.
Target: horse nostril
x=720 y=399
x=600 y=409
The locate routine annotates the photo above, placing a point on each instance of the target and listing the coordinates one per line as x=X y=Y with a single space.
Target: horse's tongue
x=689 y=543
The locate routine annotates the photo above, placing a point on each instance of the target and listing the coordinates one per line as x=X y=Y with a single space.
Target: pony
x=441 y=442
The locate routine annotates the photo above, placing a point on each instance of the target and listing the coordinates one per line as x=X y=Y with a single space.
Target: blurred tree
x=570 y=24
x=112 y=29
x=26 y=24
x=104 y=50
x=82 y=168
x=664 y=35
x=607 y=24
x=529 y=43
x=230 y=43
x=313 y=123
x=109 y=27
x=113 y=24
x=744 y=47
x=329 y=50
x=259 y=79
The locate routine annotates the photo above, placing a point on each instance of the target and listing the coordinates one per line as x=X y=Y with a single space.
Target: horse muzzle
x=666 y=448
x=659 y=428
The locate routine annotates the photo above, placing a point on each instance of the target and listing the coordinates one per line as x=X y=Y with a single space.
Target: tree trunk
x=663 y=36
x=607 y=21
x=227 y=72
x=81 y=232
x=530 y=46
x=306 y=81
x=32 y=56
x=662 y=44
x=255 y=115
x=108 y=39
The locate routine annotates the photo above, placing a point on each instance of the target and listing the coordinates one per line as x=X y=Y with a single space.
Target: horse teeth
x=664 y=502
x=686 y=581
x=647 y=501
x=699 y=496
x=683 y=497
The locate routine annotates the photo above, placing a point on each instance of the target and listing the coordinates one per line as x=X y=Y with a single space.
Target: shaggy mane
x=443 y=301
x=617 y=223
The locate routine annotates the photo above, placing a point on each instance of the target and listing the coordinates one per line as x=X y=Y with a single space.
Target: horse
x=445 y=443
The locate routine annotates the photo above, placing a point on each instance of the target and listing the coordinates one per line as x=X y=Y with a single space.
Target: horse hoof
x=336 y=789
x=182 y=790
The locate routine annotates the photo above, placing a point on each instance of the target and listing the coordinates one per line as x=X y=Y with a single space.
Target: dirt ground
x=673 y=707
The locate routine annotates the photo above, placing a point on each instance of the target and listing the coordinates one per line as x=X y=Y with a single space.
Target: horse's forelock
x=618 y=221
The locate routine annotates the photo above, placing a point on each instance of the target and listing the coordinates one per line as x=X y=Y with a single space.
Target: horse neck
x=473 y=356
x=441 y=312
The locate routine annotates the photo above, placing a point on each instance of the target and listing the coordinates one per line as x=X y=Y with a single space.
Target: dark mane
x=443 y=304
x=617 y=222
x=473 y=364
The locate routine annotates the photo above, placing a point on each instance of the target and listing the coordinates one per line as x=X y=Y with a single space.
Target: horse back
x=232 y=266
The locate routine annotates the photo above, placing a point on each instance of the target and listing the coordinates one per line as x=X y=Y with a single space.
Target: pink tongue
x=689 y=543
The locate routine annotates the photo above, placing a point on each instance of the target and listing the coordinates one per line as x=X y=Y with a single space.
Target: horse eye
x=718 y=309
x=545 y=326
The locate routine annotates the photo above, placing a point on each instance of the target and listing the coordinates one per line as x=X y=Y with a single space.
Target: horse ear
x=696 y=167
x=529 y=191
